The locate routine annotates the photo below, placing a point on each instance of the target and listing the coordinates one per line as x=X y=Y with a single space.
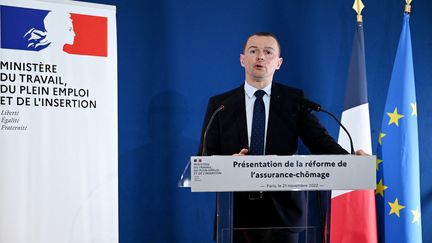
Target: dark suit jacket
x=288 y=121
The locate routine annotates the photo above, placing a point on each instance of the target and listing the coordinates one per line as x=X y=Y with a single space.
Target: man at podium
x=261 y=117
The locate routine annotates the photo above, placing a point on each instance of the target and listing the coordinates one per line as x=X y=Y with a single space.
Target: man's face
x=260 y=59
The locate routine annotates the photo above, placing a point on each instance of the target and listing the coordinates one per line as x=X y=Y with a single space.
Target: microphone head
x=309 y=104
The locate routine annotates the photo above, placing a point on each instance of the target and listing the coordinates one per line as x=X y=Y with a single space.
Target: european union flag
x=398 y=180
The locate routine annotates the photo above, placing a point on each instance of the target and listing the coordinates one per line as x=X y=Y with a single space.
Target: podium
x=276 y=199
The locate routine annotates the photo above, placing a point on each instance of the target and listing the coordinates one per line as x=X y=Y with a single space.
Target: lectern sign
x=282 y=173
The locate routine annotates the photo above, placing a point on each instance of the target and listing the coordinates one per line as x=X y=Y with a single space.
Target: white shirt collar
x=250 y=90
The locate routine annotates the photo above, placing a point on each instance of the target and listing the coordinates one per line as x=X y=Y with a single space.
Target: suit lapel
x=274 y=119
x=237 y=103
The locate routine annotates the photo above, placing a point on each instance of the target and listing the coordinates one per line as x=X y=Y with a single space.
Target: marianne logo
x=39 y=30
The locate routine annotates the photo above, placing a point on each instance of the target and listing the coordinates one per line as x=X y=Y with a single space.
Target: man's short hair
x=267 y=34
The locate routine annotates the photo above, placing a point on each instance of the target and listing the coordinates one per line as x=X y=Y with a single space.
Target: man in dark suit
x=234 y=131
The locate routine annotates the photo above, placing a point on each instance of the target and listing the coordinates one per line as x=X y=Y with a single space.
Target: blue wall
x=173 y=55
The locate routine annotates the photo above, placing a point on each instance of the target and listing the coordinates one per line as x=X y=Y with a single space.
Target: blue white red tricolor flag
x=38 y=29
x=353 y=214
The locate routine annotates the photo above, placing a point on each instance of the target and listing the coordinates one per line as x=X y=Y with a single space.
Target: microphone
x=204 y=153
x=305 y=102
x=204 y=144
x=317 y=107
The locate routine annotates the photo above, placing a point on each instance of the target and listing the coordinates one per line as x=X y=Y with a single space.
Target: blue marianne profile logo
x=35 y=29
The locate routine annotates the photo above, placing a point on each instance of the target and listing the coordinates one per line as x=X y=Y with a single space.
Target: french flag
x=38 y=29
x=353 y=213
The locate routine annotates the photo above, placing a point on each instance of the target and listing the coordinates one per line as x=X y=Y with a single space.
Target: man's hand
x=361 y=152
x=242 y=152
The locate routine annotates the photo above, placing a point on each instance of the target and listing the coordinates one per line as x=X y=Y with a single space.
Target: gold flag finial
x=408 y=6
x=358 y=6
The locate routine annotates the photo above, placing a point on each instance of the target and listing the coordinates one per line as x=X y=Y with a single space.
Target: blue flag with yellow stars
x=398 y=180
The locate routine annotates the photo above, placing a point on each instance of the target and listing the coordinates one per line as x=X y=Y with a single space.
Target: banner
x=58 y=122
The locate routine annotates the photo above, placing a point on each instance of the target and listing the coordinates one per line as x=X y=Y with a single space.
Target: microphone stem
x=204 y=145
x=343 y=127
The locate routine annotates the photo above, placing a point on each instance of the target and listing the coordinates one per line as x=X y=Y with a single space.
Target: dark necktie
x=258 y=125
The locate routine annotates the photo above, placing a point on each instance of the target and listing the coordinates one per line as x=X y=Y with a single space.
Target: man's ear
x=280 y=62
x=242 y=60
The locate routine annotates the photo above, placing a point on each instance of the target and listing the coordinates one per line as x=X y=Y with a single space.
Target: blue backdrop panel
x=173 y=55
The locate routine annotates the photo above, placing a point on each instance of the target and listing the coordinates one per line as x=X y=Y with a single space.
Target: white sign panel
x=58 y=122
x=282 y=173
